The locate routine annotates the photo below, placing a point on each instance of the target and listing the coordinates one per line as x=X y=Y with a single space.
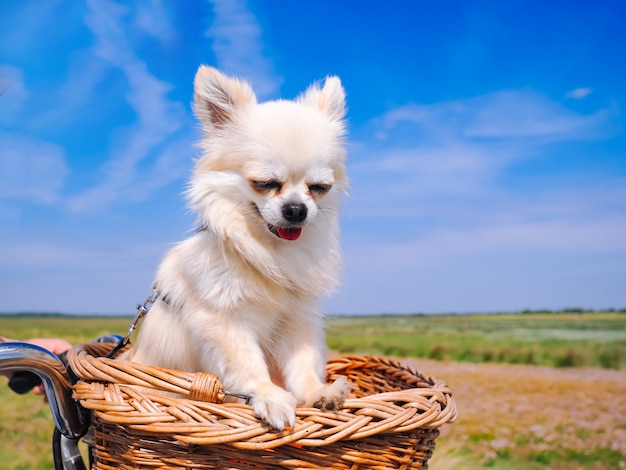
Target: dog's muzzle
x=295 y=214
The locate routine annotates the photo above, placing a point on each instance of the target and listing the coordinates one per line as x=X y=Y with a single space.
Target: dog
x=239 y=298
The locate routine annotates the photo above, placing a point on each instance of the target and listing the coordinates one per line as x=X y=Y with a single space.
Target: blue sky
x=487 y=151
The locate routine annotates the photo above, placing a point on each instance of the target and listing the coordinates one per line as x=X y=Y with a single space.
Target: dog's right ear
x=217 y=98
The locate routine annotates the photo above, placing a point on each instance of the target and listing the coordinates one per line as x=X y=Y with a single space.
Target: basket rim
x=131 y=395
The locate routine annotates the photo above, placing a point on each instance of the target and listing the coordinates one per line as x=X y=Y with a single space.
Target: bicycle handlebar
x=20 y=356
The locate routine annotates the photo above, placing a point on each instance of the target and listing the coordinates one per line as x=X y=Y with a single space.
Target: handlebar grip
x=23 y=382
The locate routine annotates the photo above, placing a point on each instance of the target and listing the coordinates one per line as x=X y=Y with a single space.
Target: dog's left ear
x=218 y=98
x=330 y=99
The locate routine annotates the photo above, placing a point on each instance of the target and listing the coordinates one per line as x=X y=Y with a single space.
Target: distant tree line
x=575 y=310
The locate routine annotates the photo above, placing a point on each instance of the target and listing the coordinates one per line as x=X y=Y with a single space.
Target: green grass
x=556 y=340
x=73 y=329
x=578 y=458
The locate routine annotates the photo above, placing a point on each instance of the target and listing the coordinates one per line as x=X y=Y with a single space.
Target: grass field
x=555 y=339
x=535 y=391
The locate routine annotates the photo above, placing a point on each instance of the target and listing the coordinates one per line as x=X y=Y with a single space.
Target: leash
x=142 y=310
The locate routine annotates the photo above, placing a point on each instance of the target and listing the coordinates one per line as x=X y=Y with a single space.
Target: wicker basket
x=390 y=420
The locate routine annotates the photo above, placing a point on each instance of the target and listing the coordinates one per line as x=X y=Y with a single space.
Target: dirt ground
x=550 y=418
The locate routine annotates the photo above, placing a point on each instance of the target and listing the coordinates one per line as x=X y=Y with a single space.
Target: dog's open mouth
x=285 y=233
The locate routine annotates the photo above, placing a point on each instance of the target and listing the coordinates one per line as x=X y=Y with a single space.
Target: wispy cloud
x=530 y=239
x=145 y=143
x=470 y=138
x=444 y=156
x=238 y=46
x=153 y=17
x=31 y=169
x=447 y=162
x=579 y=93
x=527 y=114
x=506 y=114
x=488 y=268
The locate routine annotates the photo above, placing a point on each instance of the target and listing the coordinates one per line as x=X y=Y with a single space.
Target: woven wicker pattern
x=390 y=420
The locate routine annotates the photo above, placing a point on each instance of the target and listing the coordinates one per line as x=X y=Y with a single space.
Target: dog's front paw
x=275 y=406
x=331 y=397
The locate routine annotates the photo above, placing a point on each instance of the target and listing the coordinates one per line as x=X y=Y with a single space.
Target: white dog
x=239 y=298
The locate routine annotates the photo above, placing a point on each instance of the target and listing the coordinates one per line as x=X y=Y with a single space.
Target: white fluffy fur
x=241 y=302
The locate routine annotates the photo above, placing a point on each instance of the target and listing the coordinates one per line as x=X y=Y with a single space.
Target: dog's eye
x=266 y=186
x=319 y=189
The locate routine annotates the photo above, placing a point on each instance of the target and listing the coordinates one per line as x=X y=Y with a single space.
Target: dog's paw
x=275 y=406
x=331 y=397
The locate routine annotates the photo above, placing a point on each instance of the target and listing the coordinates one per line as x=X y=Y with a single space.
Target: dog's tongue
x=289 y=233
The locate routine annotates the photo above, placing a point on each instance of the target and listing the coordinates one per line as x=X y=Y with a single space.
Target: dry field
x=529 y=417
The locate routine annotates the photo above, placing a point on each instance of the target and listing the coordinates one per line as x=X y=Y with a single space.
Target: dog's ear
x=217 y=98
x=330 y=99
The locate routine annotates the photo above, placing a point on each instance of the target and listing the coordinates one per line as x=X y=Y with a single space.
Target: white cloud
x=581 y=220
x=526 y=114
x=142 y=145
x=31 y=169
x=418 y=181
x=153 y=18
x=238 y=46
x=458 y=151
x=557 y=235
x=579 y=93
x=128 y=182
x=505 y=114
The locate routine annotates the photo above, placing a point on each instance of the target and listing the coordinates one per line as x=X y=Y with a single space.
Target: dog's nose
x=294 y=212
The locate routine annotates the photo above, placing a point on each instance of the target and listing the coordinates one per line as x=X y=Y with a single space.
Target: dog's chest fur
x=222 y=276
